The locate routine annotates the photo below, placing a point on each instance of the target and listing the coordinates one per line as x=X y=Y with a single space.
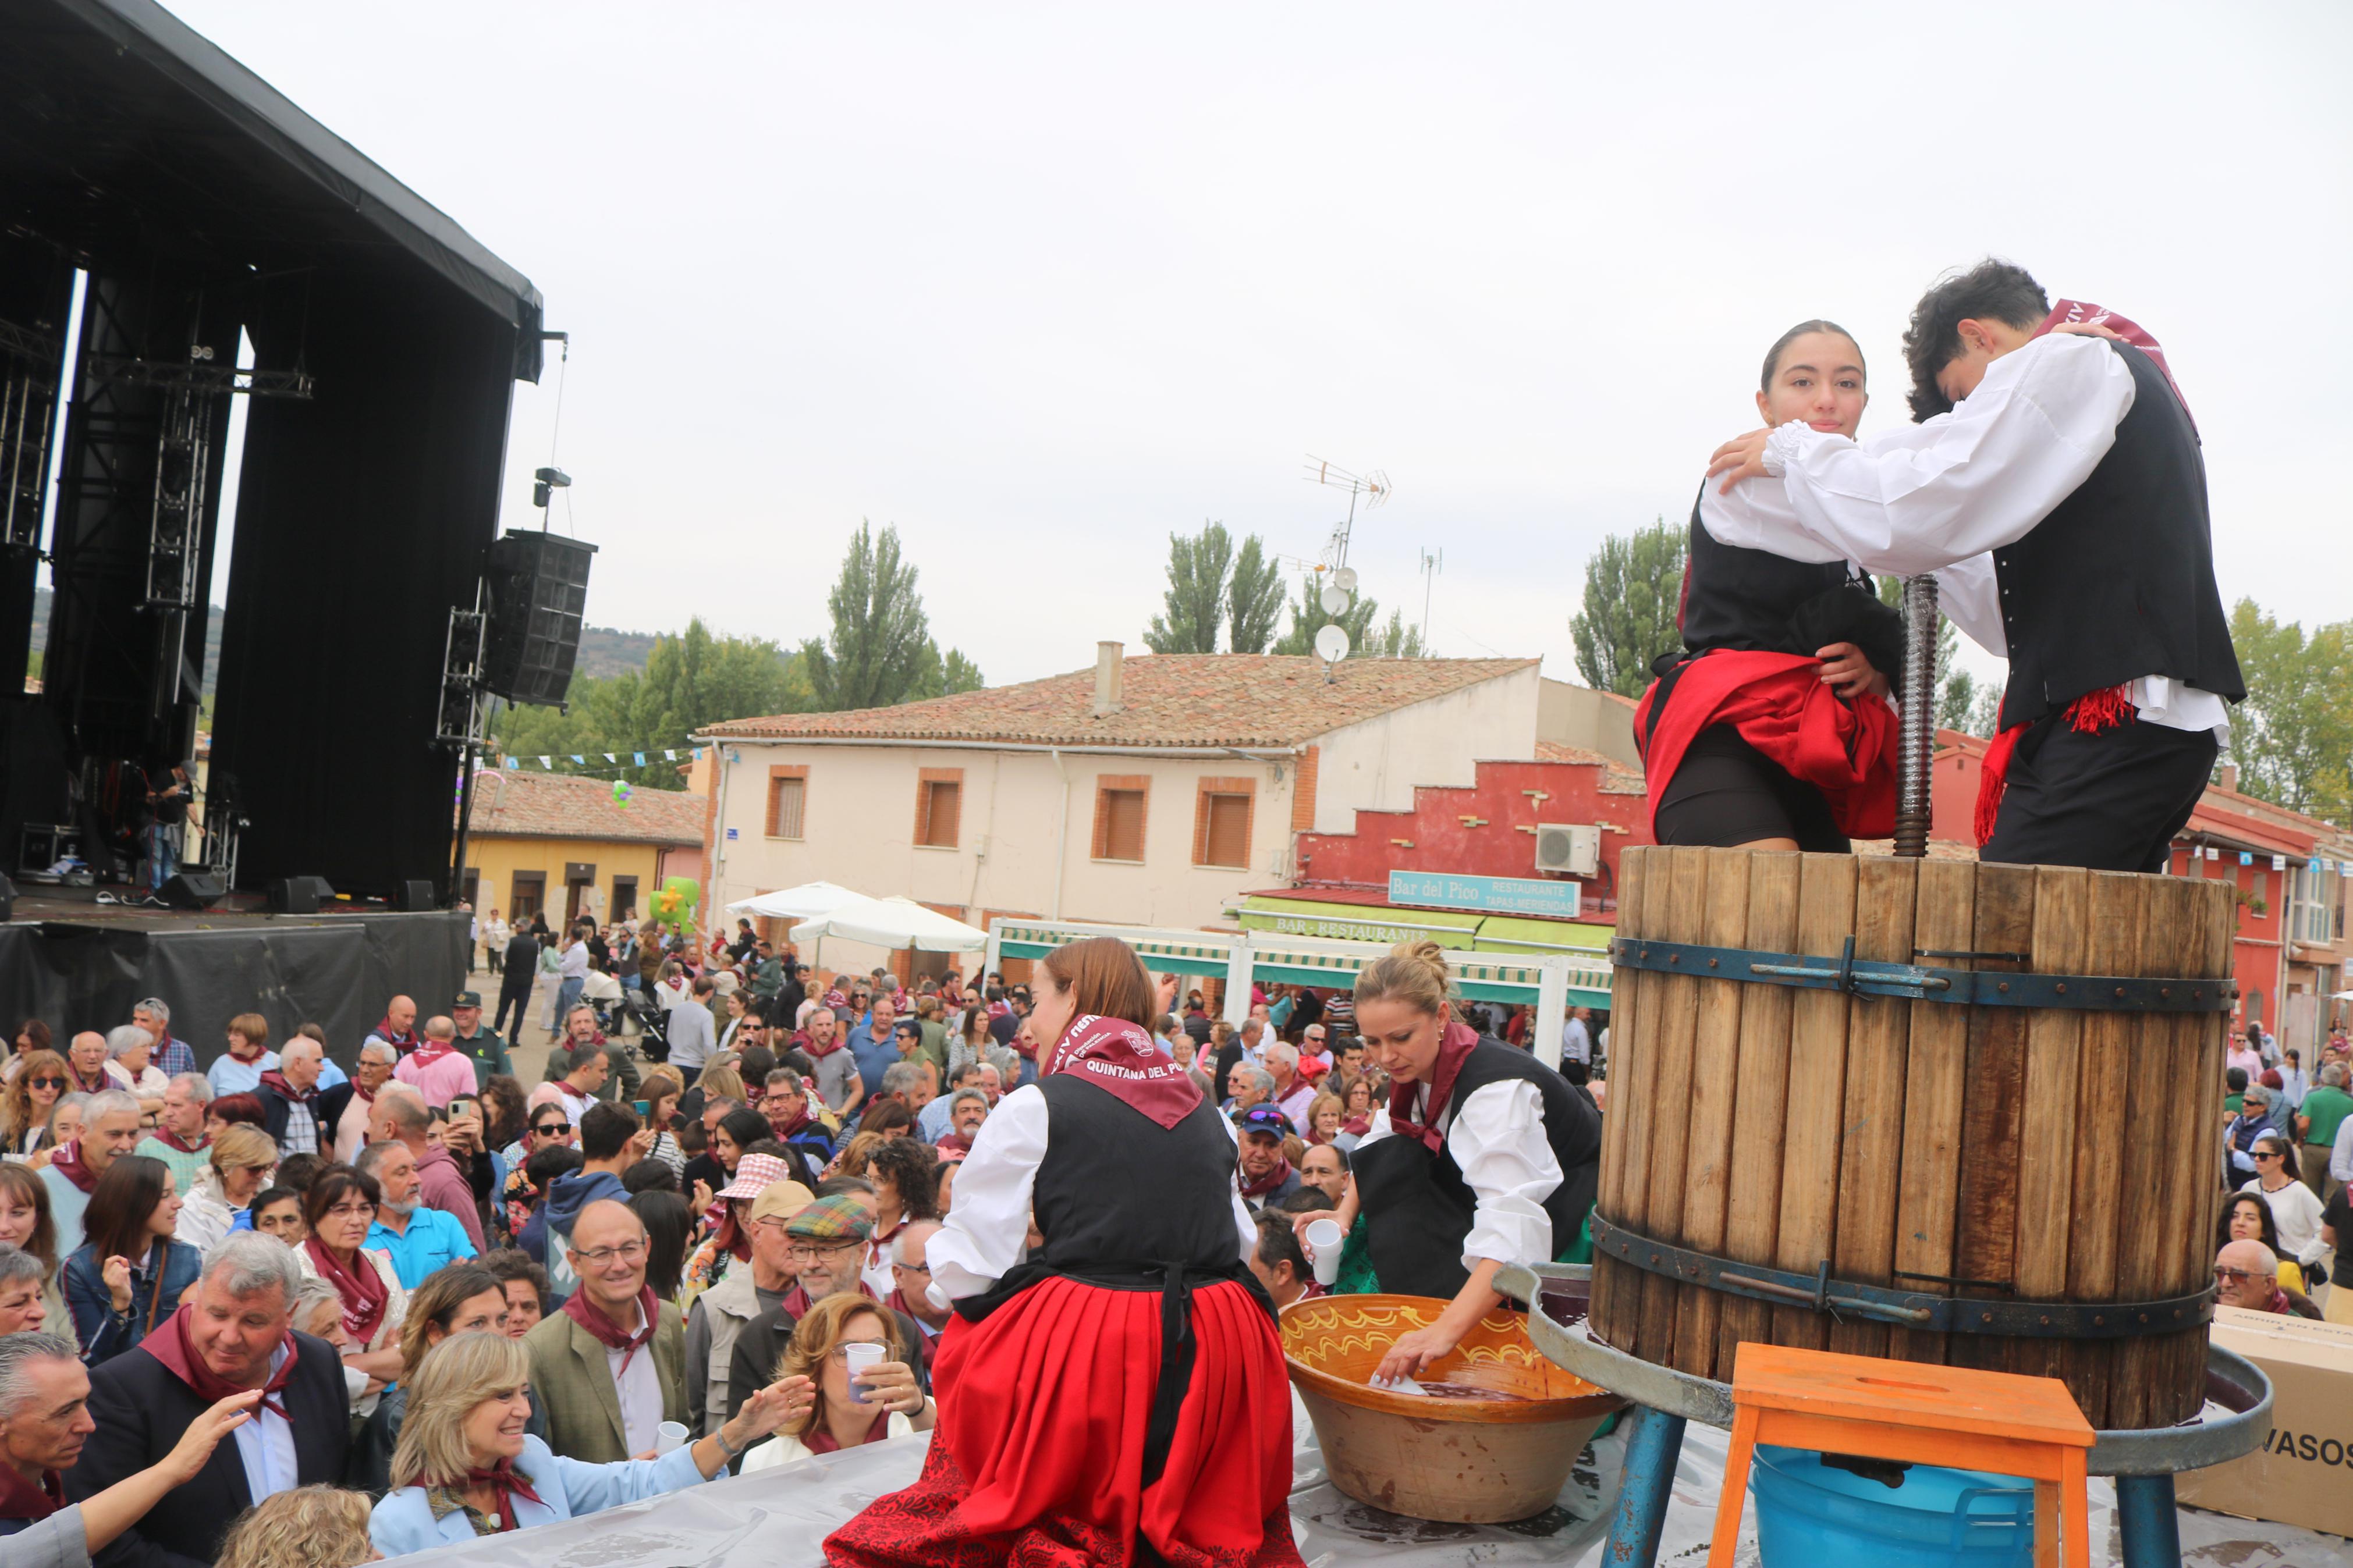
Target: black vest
x=2118 y=581
x=1734 y=597
x=1117 y=1187
x=1418 y=1207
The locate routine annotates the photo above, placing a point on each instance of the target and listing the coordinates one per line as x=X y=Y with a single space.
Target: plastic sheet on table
x=779 y=1518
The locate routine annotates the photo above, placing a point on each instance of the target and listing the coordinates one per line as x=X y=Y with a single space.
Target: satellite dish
x=1335 y=599
x=1332 y=645
x=1346 y=577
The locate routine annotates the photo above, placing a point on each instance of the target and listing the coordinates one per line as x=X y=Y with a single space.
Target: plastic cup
x=669 y=1437
x=1324 y=1239
x=861 y=1354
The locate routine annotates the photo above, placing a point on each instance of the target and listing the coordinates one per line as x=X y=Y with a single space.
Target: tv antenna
x=1431 y=565
x=1372 y=490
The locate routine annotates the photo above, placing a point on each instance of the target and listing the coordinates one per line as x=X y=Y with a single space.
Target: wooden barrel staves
x=1837 y=1120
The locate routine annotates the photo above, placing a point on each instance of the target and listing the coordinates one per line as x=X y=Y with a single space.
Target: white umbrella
x=810 y=900
x=894 y=922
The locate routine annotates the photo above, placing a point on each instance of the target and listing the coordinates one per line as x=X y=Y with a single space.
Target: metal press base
x=2142 y=1463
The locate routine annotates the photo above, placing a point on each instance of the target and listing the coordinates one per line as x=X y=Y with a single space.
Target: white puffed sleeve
x=989 y=1230
x=1498 y=1142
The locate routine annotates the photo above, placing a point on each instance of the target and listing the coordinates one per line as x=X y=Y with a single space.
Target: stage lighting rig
x=550 y=481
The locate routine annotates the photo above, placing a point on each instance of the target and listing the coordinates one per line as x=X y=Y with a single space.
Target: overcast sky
x=1040 y=284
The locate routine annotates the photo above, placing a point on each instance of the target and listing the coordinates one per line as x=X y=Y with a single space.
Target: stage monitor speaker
x=539 y=587
x=194 y=890
x=298 y=895
x=417 y=895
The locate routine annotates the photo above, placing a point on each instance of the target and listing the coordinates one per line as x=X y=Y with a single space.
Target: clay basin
x=1465 y=1460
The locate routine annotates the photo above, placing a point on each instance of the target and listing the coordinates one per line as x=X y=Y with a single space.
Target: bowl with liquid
x=1492 y=1438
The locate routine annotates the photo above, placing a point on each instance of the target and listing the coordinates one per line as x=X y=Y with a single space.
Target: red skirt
x=1779 y=704
x=1037 y=1460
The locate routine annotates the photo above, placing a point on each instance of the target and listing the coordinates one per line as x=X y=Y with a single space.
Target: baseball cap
x=1266 y=1119
x=468 y=999
x=787 y=1198
x=840 y=1217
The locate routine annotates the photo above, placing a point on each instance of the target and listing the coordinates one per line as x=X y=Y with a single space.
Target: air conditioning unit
x=1573 y=848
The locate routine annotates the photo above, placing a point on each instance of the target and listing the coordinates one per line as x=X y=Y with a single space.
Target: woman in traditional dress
x=1484 y=1155
x=1122 y=1399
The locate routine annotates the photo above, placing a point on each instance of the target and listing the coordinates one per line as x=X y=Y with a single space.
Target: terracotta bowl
x=1463 y=1461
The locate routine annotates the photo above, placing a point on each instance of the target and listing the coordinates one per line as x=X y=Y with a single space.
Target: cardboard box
x=2304 y=1473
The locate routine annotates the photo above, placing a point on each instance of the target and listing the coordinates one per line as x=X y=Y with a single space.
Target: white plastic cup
x=669 y=1437
x=861 y=1354
x=1324 y=1239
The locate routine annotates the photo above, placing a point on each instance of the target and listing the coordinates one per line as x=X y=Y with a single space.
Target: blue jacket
x=103 y=1335
x=403 y=1522
x=576 y=1190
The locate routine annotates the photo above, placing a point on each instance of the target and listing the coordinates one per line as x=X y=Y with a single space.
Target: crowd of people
x=269 y=1315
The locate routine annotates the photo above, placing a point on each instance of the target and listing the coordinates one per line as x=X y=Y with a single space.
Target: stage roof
x=125 y=131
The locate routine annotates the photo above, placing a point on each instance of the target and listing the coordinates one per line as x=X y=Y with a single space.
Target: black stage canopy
x=198 y=200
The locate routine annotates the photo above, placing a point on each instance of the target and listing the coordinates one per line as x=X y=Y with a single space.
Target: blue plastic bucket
x=1812 y=1516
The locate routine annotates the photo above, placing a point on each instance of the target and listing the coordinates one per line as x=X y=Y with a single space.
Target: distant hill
x=604 y=652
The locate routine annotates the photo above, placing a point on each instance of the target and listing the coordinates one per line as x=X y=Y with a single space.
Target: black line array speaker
x=192 y=890
x=417 y=895
x=539 y=587
x=298 y=895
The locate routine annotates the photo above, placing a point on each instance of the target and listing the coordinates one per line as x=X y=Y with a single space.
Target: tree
x=1197 y=568
x=1633 y=588
x=1393 y=640
x=1308 y=616
x=880 y=653
x=1253 y=599
x=690 y=680
x=1956 y=689
x=2293 y=734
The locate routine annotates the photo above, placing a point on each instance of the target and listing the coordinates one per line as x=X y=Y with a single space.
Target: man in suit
x=611 y=1366
x=237 y=1335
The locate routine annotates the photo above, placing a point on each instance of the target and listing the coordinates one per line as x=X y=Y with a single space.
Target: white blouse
x=1496 y=1138
x=2298 y=1215
x=987 y=1231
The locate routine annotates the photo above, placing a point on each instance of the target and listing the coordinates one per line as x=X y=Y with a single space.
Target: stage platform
x=78 y=964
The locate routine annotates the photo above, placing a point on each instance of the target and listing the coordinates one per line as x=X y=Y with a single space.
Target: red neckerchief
x=257 y=1052
x=169 y=1344
x=276 y=1081
x=1268 y=1183
x=608 y=1333
x=1453 y=1048
x=170 y=1140
x=2088 y=714
x=430 y=1050
x=66 y=1162
x=20 y=1499
x=506 y=1483
x=796 y=1124
x=820 y=1441
x=402 y=1042
x=1358 y=1126
x=104 y=1082
x=815 y=1052
x=1116 y=1055
x=796 y=1303
x=362 y=1289
x=954 y=1143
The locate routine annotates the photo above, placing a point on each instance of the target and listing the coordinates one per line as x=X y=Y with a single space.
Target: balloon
x=622 y=792
x=673 y=903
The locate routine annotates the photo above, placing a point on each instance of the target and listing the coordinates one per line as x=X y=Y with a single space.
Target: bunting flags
x=641 y=759
x=2246 y=858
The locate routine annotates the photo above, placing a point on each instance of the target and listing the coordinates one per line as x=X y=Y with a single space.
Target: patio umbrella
x=894 y=922
x=809 y=901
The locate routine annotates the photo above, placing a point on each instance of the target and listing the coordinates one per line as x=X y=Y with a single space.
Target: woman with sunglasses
x=2295 y=1211
x=33 y=1092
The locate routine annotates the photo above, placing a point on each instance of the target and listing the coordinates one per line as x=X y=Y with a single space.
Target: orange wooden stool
x=1951 y=1416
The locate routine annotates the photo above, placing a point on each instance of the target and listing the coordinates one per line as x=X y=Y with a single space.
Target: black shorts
x=1726 y=793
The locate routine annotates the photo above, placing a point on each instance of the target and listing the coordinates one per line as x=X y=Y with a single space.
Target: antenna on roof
x=1371 y=488
x=1431 y=565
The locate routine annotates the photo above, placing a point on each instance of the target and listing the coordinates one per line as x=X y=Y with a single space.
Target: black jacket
x=142 y=1411
x=328 y=1108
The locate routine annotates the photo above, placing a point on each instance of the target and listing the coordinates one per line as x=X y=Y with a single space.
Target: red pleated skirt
x=1038 y=1459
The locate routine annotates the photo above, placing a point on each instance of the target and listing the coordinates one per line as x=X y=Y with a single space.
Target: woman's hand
x=196 y=1444
x=1848 y=673
x=1413 y=1351
x=892 y=1385
x=116 y=1271
x=769 y=1408
x=1168 y=991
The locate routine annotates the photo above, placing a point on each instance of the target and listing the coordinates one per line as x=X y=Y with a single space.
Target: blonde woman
x=243 y=1160
x=824 y=1411
x=309 y=1527
x=465 y=1467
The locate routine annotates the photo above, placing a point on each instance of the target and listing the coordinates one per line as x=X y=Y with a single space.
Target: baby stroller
x=654 y=1039
x=602 y=993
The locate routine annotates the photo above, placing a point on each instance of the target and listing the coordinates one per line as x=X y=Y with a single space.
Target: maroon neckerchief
x=1358 y=1126
x=104 y=1082
x=796 y=1124
x=797 y=1303
x=169 y=1344
x=20 y=1499
x=1453 y=1049
x=402 y=1042
x=430 y=1050
x=1268 y=1183
x=66 y=1162
x=1116 y=1055
x=954 y=1143
x=506 y=1483
x=820 y=1441
x=362 y=1289
x=2067 y=313
x=170 y=1140
x=276 y=1081
x=817 y=1053
x=608 y=1333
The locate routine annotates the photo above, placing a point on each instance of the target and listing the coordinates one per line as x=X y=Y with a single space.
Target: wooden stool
x=1923 y=1415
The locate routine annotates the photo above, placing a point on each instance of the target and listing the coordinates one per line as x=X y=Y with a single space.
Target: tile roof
x=1616 y=778
x=516 y=803
x=1167 y=699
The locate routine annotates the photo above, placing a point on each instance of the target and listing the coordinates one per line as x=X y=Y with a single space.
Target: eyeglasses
x=353 y=1209
x=627 y=1252
x=911 y=1268
x=45 y=1082
x=829 y=1249
x=2233 y=1276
